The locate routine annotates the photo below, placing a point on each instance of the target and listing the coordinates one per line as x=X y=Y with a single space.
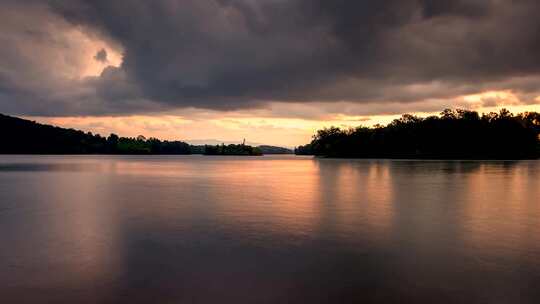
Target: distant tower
x=244 y=142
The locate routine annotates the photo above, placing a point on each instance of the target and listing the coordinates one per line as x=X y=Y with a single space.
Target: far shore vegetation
x=21 y=136
x=453 y=134
x=240 y=149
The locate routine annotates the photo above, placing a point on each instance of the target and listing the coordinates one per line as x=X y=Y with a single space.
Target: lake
x=272 y=229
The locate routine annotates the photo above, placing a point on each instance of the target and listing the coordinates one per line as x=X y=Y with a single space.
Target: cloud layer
x=58 y=57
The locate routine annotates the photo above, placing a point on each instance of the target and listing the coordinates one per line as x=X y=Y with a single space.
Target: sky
x=269 y=71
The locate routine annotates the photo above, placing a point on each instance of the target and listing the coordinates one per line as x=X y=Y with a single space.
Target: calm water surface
x=284 y=229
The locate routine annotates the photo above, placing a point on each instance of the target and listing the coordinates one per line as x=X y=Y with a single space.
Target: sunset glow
x=254 y=126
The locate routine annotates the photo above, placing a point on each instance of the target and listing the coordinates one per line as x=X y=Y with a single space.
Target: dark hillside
x=20 y=136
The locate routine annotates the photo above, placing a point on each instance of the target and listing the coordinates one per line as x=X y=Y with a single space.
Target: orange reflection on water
x=279 y=195
x=74 y=233
x=276 y=196
x=358 y=195
x=502 y=210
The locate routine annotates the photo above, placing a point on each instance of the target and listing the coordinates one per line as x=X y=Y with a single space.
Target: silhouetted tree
x=453 y=134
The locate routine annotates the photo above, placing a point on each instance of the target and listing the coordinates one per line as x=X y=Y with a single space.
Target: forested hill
x=20 y=136
x=454 y=134
x=265 y=149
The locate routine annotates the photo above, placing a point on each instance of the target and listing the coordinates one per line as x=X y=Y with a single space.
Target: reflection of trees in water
x=329 y=179
x=436 y=167
x=355 y=197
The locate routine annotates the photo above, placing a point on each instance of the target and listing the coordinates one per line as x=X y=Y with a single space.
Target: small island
x=240 y=150
x=453 y=134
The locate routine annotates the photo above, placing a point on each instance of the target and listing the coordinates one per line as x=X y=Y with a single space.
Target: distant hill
x=265 y=149
x=198 y=146
x=20 y=136
x=215 y=142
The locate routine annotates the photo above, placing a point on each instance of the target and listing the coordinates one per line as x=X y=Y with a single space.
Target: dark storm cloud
x=466 y=8
x=101 y=56
x=229 y=54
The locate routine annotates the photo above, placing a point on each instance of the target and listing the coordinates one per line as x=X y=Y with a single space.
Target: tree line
x=232 y=150
x=453 y=134
x=21 y=136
